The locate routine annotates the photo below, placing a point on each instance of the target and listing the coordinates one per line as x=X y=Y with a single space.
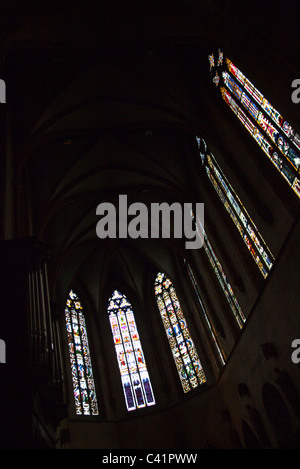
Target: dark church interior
x=121 y=97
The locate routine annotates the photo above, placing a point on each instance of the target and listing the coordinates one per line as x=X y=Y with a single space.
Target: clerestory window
x=135 y=378
x=184 y=352
x=270 y=130
x=80 y=360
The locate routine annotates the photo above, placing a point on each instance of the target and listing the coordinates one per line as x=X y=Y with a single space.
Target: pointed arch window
x=270 y=130
x=135 y=378
x=80 y=359
x=221 y=276
x=207 y=319
x=184 y=352
x=252 y=238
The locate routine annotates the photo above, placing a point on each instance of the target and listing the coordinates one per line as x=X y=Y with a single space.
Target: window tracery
x=275 y=136
x=221 y=276
x=248 y=231
x=80 y=359
x=135 y=378
x=183 y=349
x=209 y=322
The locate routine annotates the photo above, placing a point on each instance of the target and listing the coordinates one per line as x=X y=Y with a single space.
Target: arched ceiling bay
x=104 y=98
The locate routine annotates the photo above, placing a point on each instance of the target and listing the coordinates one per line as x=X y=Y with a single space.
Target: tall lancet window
x=80 y=359
x=184 y=352
x=135 y=379
x=253 y=240
x=270 y=130
x=221 y=276
x=208 y=321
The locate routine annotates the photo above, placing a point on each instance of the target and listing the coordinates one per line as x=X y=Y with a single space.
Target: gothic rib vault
x=105 y=100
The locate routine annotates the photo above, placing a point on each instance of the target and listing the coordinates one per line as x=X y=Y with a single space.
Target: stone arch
x=250 y=439
x=277 y=412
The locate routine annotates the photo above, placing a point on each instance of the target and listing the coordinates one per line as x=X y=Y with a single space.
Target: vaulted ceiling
x=105 y=98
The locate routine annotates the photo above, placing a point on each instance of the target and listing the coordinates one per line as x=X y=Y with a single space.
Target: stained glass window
x=184 y=352
x=270 y=130
x=80 y=360
x=221 y=276
x=135 y=379
x=208 y=321
x=238 y=213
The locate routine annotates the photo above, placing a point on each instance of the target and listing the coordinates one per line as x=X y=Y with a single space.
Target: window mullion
x=126 y=359
x=177 y=347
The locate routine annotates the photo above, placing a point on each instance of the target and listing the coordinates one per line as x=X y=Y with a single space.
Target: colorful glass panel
x=135 y=379
x=264 y=104
x=184 y=352
x=80 y=360
x=221 y=276
x=239 y=215
x=273 y=134
x=208 y=321
x=264 y=123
